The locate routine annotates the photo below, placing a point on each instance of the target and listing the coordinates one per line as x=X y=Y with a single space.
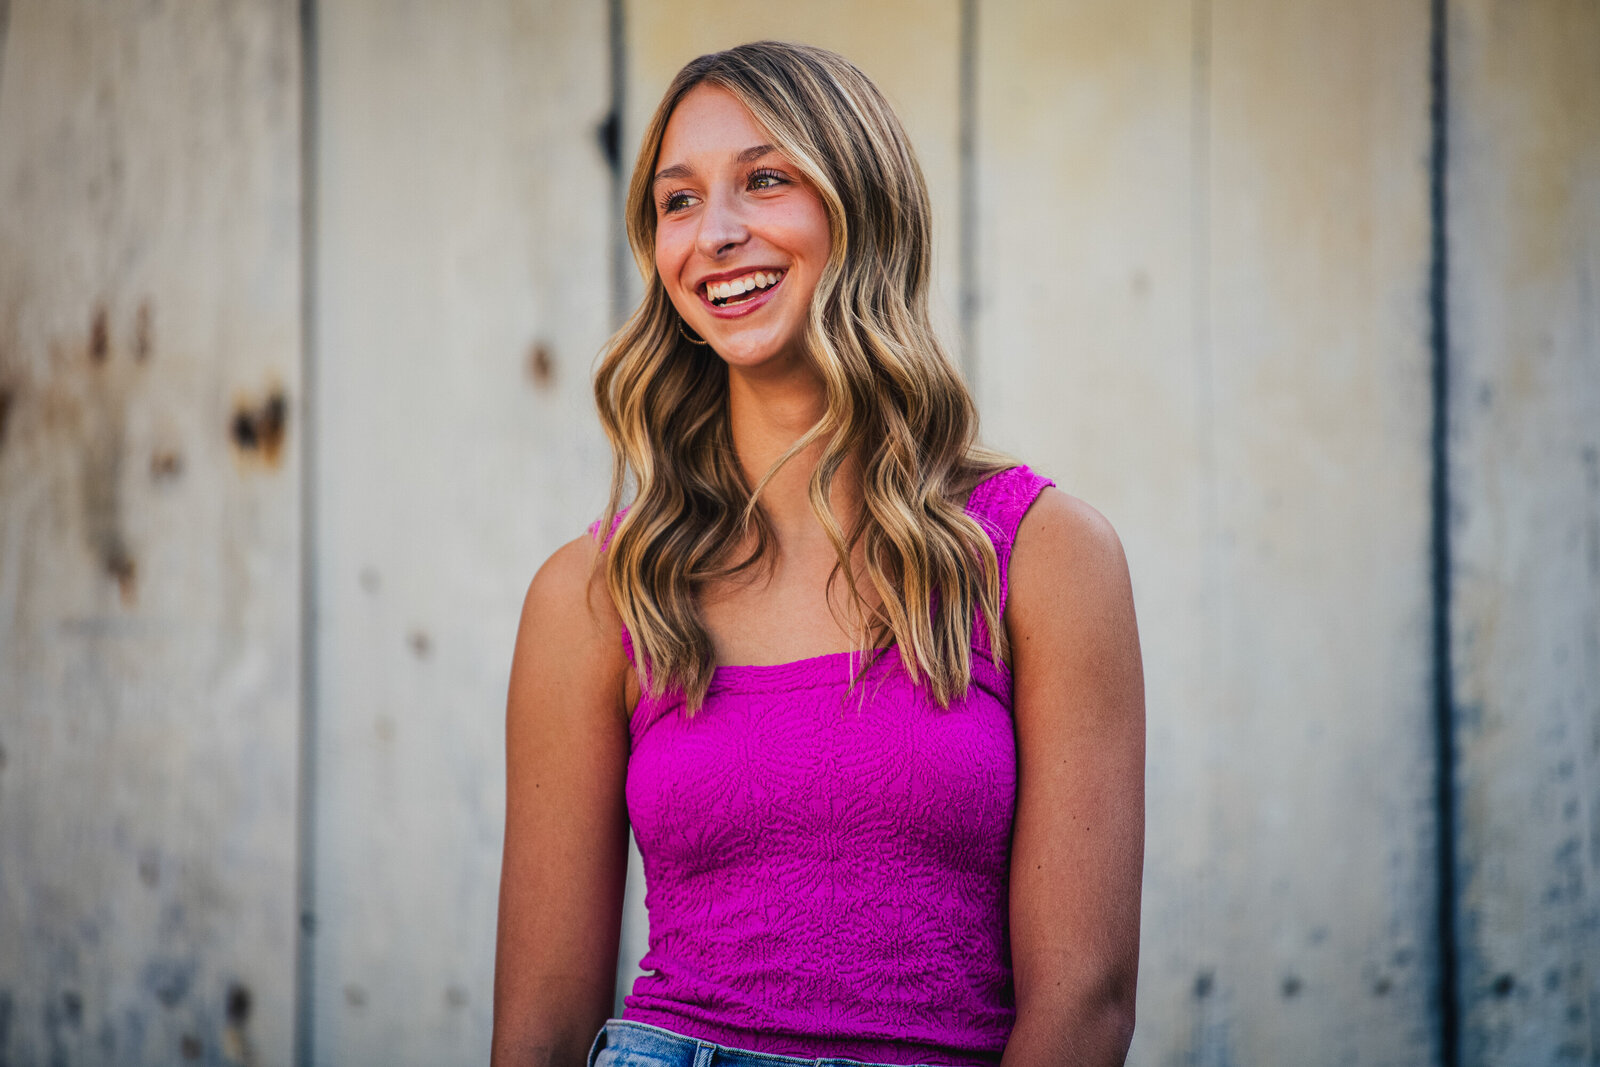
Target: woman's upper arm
x=565 y=856
x=1078 y=846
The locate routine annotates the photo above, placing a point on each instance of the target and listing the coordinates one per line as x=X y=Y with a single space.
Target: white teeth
x=730 y=289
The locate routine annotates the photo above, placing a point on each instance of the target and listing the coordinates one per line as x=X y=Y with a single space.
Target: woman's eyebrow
x=683 y=170
x=677 y=170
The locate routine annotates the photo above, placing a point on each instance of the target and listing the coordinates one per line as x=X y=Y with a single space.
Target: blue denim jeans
x=628 y=1044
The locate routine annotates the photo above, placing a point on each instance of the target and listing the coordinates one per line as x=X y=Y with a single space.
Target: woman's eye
x=765 y=179
x=674 y=202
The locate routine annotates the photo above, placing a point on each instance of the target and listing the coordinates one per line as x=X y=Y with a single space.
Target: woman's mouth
x=743 y=289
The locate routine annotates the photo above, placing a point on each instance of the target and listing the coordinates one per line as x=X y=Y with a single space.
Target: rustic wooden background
x=298 y=306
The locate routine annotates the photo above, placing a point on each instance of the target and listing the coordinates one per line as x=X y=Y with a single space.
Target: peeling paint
x=258 y=429
x=166 y=465
x=169 y=979
x=541 y=365
x=102 y=502
x=149 y=868
x=143 y=333
x=99 y=335
x=238 y=1004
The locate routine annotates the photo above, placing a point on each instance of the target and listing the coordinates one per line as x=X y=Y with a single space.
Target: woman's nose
x=722 y=227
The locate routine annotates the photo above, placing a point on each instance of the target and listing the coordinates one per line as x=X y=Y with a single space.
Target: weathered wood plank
x=1320 y=413
x=149 y=531
x=1204 y=239
x=1524 y=407
x=912 y=51
x=462 y=296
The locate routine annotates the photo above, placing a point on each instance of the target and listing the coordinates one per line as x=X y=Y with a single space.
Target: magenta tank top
x=827 y=868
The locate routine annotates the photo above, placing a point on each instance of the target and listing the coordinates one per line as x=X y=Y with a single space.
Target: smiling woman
x=868 y=694
x=738 y=231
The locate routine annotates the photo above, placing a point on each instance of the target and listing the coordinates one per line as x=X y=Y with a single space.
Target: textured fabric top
x=827 y=866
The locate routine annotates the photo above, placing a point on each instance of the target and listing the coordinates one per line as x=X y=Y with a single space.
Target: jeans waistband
x=663 y=1048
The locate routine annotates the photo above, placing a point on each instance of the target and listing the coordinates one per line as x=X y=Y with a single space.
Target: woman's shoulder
x=1064 y=546
x=566 y=577
x=1017 y=498
x=568 y=595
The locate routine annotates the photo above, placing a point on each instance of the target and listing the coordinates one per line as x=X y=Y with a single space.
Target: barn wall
x=1201 y=308
x=1523 y=451
x=462 y=266
x=1197 y=295
x=150 y=445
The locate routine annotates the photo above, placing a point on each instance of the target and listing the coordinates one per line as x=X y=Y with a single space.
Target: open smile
x=743 y=293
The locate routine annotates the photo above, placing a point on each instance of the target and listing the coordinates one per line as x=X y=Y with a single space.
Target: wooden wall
x=462 y=293
x=1524 y=466
x=1201 y=308
x=151 y=436
x=268 y=506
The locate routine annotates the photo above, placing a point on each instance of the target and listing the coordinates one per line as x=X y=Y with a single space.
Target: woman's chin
x=753 y=354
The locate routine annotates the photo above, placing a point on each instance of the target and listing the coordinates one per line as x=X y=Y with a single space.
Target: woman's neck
x=767 y=415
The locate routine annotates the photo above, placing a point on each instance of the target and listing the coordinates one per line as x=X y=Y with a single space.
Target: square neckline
x=797 y=670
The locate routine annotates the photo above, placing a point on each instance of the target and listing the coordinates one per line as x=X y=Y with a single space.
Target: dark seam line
x=621 y=255
x=967 y=147
x=305 y=822
x=1439 y=505
x=5 y=35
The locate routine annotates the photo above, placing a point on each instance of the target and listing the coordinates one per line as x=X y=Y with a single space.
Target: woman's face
x=741 y=238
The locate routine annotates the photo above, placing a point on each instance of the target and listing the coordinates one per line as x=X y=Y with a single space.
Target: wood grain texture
x=149 y=531
x=1524 y=238
x=462 y=297
x=1204 y=244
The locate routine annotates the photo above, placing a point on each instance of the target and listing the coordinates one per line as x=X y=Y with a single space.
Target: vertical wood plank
x=1201 y=308
x=462 y=297
x=912 y=50
x=1090 y=214
x=1524 y=408
x=149 y=531
x=1320 y=414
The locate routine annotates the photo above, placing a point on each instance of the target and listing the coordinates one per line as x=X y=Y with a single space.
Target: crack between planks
x=967 y=221
x=1446 y=888
x=306 y=851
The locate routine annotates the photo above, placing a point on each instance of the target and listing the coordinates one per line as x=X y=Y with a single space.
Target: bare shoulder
x=1070 y=606
x=1065 y=539
x=570 y=630
x=569 y=581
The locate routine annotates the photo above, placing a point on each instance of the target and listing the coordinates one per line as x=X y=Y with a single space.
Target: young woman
x=869 y=695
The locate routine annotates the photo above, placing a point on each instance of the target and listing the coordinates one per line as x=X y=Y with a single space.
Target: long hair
x=894 y=400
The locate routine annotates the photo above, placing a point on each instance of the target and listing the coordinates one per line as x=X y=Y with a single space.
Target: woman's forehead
x=713 y=125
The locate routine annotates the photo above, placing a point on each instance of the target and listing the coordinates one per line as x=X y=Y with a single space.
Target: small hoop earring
x=687 y=336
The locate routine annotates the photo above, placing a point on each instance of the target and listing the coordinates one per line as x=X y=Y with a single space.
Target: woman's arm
x=566 y=821
x=1078 y=847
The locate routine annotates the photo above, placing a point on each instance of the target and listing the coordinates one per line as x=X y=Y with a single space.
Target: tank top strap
x=605 y=543
x=998 y=504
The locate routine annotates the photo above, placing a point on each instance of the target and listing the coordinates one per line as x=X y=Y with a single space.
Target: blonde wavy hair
x=894 y=400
